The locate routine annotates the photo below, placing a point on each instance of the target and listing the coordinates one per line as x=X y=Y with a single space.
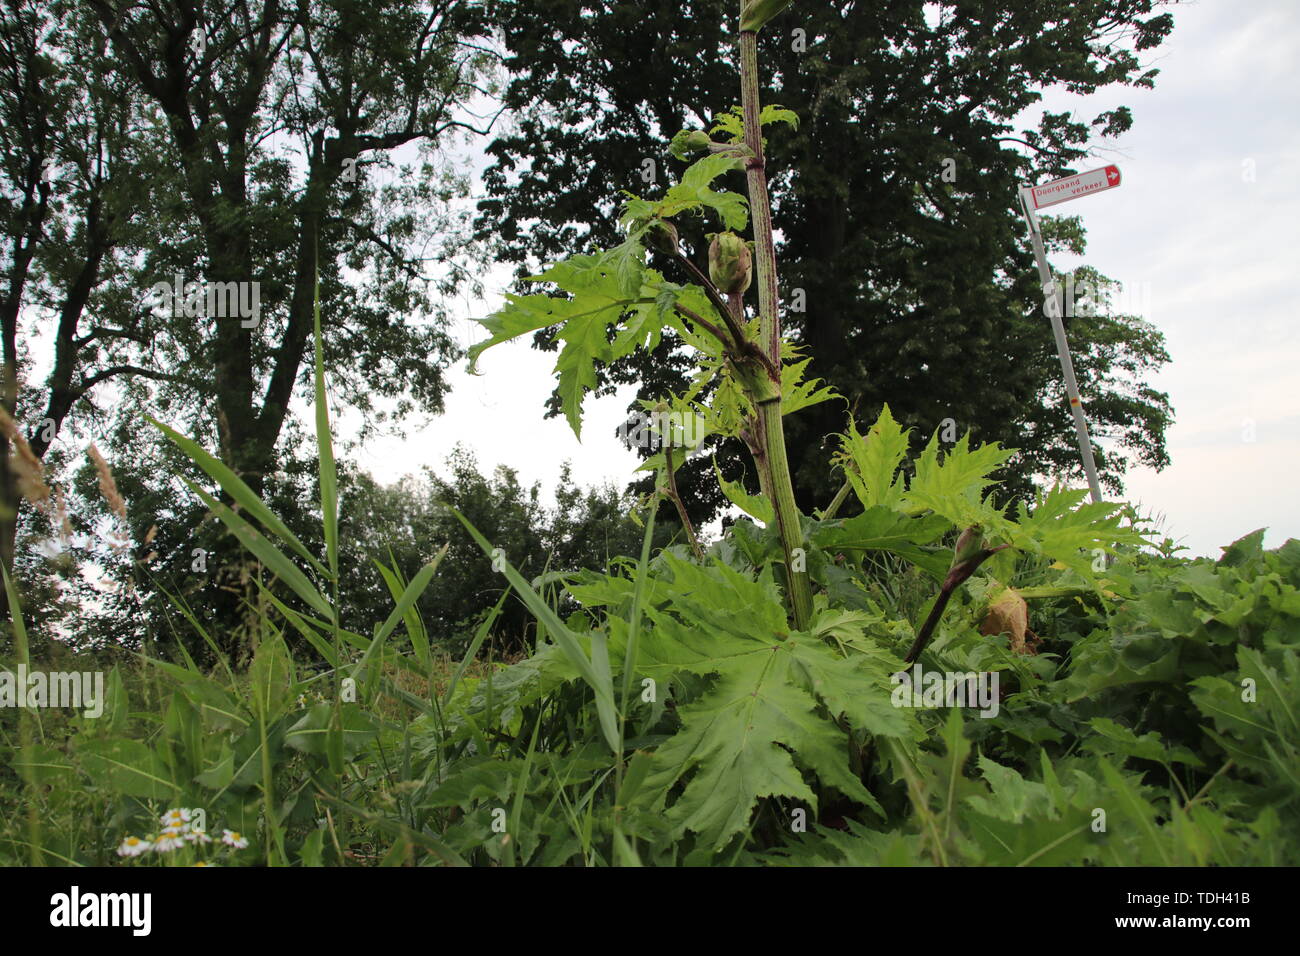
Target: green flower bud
x=755 y=13
x=697 y=140
x=689 y=141
x=969 y=544
x=661 y=236
x=730 y=263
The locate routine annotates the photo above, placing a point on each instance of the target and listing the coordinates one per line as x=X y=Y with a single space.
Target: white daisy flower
x=234 y=838
x=133 y=846
x=168 y=840
x=175 y=818
x=197 y=836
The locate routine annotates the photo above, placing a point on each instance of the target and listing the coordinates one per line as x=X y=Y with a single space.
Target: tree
x=272 y=114
x=70 y=203
x=909 y=279
x=225 y=159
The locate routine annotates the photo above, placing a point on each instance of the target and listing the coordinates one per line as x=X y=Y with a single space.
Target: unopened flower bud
x=969 y=544
x=730 y=263
x=661 y=236
x=689 y=141
x=696 y=139
x=755 y=13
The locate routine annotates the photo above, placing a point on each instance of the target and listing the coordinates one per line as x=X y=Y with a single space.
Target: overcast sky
x=1204 y=232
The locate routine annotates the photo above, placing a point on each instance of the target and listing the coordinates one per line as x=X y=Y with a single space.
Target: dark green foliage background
x=919 y=292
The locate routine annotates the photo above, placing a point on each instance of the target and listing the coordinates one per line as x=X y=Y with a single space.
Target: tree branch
x=366 y=232
x=103 y=332
x=87 y=384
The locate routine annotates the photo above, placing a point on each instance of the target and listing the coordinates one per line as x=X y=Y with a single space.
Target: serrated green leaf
x=1061 y=528
x=874 y=460
x=952 y=484
x=880 y=528
x=737 y=739
x=695 y=191
x=798 y=394
x=778 y=114
x=1112 y=738
x=772 y=693
x=756 y=506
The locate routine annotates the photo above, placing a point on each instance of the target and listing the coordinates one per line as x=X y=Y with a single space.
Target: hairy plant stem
x=750 y=434
x=681 y=508
x=840 y=496
x=956 y=576
x=738 y=345
x=771 y=434
x=760 y=206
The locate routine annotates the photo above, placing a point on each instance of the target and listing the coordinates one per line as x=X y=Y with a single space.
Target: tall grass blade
x=404 y=605
x=565 y=638
x=414 y=624
x=239 y=492
x=329 y=484
x=302 y=625
x=474 y=645
x=25 y=741
x=272 y=557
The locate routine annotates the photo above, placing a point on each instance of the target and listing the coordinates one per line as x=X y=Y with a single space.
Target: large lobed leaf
x=772 y=708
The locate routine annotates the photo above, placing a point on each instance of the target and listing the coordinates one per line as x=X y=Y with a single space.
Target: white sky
x=1204 y=232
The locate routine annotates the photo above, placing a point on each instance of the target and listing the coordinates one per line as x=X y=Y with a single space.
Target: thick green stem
x=760 y=205
x=787 y=514
x=771 y=433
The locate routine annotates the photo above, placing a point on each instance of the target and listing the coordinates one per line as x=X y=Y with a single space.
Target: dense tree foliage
x=177 y=179
x=896 y=195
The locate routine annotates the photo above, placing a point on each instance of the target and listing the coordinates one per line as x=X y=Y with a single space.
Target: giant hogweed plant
x=613 y=303
x=607 y=304
x=765 y=662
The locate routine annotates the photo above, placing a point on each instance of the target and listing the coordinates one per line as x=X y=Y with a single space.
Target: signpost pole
x=1052 y=299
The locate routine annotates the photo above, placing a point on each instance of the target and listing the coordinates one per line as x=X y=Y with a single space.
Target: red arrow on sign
x=1072 y=187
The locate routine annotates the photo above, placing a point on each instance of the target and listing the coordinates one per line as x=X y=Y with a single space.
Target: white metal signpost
x=1033 y=198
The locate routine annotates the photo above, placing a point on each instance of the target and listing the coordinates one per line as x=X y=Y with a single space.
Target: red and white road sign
x=1072 y=187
